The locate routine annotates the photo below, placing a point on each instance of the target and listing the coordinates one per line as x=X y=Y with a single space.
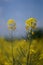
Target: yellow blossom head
x=10 y=21
x=11 y=24
x=31 y=22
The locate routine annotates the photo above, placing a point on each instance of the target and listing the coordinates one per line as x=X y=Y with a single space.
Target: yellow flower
x=11 y=24
x=27 y=23
x=30 y=21
x=10 y=21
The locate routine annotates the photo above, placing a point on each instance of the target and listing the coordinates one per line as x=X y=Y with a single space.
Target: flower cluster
x=31 y=22
x=11 y=24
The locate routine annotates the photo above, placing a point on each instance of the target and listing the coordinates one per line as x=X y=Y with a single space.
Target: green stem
x=12 y=46
x=28 y=55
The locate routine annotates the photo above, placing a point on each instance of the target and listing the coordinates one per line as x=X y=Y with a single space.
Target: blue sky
x=19 y=10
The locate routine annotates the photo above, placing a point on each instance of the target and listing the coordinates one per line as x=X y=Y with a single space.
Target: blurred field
x=15 y=52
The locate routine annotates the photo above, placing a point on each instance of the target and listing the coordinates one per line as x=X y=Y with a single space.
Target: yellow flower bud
x=33 y=33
